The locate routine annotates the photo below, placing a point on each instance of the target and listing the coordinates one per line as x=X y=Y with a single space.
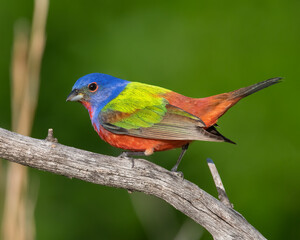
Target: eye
x=93 y=87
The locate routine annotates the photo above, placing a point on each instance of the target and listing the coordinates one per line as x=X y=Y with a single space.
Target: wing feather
x=151 y=116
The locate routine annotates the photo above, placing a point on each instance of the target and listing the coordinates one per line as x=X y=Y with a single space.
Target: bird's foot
x=131 y=154
x=123 y=155
x=177 y=173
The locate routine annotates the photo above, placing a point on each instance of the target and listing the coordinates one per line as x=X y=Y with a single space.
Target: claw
x=123 y=155
x=179 y=174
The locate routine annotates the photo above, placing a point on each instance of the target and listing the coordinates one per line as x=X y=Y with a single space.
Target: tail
x=246 y=91
x=209 y=109
x=212 y=108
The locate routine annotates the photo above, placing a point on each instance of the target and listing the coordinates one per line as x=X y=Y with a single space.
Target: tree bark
x=132 y=174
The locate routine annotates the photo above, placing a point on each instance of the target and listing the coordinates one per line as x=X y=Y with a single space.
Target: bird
x=142 y=119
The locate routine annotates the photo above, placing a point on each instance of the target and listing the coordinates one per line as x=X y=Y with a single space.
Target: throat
x=88 y=106
x=93 y=113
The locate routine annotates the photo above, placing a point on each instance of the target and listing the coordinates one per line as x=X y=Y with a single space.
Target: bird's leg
x=131 y=154
x=184 y=148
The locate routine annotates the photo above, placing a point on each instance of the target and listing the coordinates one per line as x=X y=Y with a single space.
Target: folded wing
x=154 y=118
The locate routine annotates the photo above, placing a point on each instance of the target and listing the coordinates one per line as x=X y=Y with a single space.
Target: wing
x=141 y=111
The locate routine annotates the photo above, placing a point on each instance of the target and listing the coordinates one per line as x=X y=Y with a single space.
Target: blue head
x=95 y=90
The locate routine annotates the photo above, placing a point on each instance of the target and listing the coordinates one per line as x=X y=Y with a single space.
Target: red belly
x=138 y=144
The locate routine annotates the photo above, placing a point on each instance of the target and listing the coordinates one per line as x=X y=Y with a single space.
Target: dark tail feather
x=246 y=91
x=215 y=132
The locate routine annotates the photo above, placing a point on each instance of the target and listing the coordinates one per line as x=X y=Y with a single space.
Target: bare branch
x=222 y=222
x=218 y=182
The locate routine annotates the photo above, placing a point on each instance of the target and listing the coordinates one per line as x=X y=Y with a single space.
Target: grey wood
x=131 y=174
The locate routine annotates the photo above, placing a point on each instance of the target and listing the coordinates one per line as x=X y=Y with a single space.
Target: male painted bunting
x=144 y=119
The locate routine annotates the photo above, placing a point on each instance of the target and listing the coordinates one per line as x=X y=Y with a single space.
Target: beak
x=75 y=95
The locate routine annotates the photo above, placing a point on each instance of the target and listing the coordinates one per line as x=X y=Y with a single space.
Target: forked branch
x=133 y=174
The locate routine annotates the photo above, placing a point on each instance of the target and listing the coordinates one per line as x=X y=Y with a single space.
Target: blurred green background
x=197 y=48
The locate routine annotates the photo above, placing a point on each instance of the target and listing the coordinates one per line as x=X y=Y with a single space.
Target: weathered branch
x=133 y=174
x=218 y=182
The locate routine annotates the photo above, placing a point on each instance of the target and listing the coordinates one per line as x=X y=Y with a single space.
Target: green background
x=197 y=48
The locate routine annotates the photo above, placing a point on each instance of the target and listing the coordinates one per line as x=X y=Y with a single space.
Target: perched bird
x=144 y=119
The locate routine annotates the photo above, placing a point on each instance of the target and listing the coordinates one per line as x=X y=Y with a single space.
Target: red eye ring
x=93 y=87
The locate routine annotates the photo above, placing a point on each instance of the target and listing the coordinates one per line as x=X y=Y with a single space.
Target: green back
x=144 y=104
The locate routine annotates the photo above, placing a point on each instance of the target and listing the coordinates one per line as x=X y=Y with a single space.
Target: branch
x=218 y=182
x=131 y=174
